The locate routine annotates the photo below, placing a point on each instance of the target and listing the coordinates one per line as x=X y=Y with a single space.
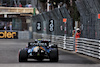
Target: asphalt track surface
x=9 y=57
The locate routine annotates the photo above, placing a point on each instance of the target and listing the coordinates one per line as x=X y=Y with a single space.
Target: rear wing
x=37 y=44
x=42 y=40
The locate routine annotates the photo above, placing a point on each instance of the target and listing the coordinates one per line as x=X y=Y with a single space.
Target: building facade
x=12 y=3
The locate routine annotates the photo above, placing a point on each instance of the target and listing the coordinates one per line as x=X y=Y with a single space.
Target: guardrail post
x=76 y=25
x=64 y=42
x=65 y=21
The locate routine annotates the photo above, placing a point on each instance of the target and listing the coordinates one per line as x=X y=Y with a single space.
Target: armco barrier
x=84 y=46
x=58 y=40
x=89 y=47
x=70 y=43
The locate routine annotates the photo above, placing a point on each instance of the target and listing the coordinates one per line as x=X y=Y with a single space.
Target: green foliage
x=74 y=12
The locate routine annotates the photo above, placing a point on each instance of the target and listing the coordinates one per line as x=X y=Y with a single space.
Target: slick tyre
x=54 y=55
x=23 y=55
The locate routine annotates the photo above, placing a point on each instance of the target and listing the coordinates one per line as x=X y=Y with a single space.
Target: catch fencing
x=41 y=28
x=20 y=23
x=89 y=10
x=52 y=22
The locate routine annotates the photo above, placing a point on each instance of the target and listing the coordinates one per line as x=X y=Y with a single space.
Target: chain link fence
x=17 y=24
x=52 y=22
x=89 y=10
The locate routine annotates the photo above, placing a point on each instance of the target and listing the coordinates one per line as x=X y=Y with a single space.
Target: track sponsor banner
x=8 y=35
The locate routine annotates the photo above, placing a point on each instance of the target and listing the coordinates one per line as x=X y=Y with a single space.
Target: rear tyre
x=54 y=46
x=23 y=55
x=54 y=55
x=29 y=45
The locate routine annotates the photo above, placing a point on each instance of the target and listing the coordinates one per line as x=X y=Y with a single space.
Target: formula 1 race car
x=39 y=50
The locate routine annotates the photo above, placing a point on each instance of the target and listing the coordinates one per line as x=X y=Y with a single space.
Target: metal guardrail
x=88 y=47
x=70 y=43
x=58 y=40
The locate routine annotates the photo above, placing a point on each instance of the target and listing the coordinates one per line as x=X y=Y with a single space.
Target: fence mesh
x=57 y=15
x=89 y=10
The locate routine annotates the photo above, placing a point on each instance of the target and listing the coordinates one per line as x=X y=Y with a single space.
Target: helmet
x=78 y=30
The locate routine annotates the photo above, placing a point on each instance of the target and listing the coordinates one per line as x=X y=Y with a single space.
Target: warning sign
x=64 y=20
x=98 y=16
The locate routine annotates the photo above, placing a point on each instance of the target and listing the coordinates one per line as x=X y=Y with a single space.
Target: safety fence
x=89 y=10
x=84 y=46
x=89 y=47
x=58 y=40
x=51 y=22
x=70 y=43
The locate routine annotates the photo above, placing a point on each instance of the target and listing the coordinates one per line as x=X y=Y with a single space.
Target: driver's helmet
x=38 y=40
x=78 y=30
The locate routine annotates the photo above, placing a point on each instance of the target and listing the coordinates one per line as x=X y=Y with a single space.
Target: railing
x=84 y=46
x=70 y=43
x=59 y=41
x=88 y=47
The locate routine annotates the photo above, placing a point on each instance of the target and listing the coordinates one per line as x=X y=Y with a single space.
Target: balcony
x=17 y=10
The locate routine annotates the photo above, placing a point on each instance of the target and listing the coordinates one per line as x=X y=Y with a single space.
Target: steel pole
x=64 y=35
x=65 y=21
x=47 y=5
x=76 y=25
x=18 y=2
